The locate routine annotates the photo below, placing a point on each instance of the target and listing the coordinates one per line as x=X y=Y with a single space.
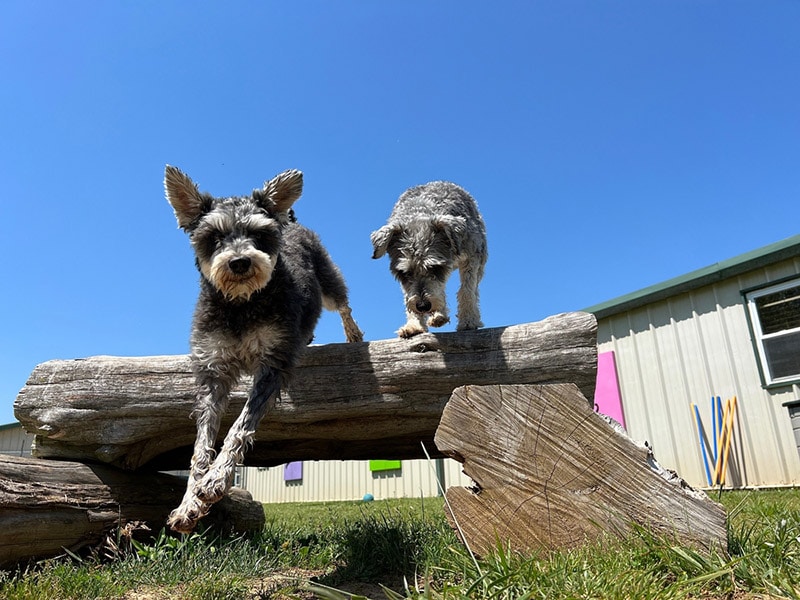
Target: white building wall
x=350 y=480
x=322 y=480
x=14 y=440
x=687 y=349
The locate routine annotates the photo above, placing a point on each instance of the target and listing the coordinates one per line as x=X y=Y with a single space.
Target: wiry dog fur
x=264 y=280
x=434 y=229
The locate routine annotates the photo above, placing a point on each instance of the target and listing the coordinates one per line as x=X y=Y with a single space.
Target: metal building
x=14 y=440
x=316 y=481
x=729 y=330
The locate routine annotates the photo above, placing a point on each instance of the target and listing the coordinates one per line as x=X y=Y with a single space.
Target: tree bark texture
x=49 y=505
x=369 y=400
x=552 y=473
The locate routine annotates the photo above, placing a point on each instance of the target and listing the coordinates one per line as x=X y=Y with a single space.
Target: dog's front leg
x=469 y=314
x=217 y=481
x=212 y=401
x=415 y=324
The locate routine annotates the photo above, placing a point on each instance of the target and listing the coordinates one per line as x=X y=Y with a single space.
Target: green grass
x=407 y=546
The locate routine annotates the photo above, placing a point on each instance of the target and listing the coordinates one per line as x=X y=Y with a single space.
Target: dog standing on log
x=264 y=280
x=434 y=229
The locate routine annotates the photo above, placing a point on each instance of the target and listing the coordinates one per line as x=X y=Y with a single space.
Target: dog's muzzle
x=423 y=306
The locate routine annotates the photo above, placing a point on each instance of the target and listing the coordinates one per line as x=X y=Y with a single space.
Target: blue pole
x=714 y=426
x=702 y=444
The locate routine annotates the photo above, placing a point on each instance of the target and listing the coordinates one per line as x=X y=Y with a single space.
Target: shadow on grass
x=384 y=550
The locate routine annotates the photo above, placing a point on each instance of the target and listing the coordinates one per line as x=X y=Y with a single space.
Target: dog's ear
x=282 y=190
x=382 y=238
x=182 y=193
x=453 y=227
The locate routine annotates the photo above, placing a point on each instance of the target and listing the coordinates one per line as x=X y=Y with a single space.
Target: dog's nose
x=239 y=265
x=423 y=306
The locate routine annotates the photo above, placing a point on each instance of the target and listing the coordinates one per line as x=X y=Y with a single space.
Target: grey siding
x=683 y=350
x=794 y=414
x=14 y=440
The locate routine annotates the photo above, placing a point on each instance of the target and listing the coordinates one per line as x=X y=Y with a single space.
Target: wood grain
x=371 y=400
x=551 y=473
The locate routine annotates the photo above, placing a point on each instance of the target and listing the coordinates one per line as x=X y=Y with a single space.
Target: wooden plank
x=48 y=505
x=372 y=400
x=552 y=473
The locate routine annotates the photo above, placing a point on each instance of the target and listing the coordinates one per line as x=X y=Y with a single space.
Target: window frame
x=750 y=295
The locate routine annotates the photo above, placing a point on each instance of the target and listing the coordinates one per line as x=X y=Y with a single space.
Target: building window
x=775 y=317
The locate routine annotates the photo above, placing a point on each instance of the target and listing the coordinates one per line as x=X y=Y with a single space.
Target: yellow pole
x=722 y=432
x=728 y=439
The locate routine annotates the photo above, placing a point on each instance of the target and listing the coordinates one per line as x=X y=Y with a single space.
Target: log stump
x=47 y=506
x=552 y=473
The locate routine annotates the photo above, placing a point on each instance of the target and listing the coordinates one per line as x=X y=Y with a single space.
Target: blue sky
x=611 y=145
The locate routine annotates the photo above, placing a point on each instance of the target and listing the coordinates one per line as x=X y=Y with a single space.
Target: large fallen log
x=551 y=473
x=47 y=506
x=348 y=401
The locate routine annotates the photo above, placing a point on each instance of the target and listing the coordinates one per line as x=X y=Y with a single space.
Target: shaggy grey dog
x=434 y=229
x=264 y=281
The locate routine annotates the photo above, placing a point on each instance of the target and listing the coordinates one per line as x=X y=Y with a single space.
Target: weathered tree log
x=551 y=473
x=49 y=505
x=348 y=401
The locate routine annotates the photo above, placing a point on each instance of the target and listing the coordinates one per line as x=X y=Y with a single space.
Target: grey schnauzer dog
x=434 y=229
x=264 y=279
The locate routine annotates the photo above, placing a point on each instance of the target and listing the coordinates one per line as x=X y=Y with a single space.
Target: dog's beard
x=239 y=286
x=432 y=291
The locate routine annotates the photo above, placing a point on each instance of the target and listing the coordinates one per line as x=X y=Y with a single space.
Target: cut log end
x=551 y=473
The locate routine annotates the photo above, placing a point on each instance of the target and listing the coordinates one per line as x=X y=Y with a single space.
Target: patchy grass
x=404 y=549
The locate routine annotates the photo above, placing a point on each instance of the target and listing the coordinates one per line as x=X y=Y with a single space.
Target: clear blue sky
x=611 y=145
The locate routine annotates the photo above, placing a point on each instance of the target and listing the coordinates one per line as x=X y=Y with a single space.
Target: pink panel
x=607 y=397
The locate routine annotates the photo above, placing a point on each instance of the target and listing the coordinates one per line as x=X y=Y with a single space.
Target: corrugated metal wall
x=686 y=349
x=322 y=480
x=14 y=440
x=350 y=480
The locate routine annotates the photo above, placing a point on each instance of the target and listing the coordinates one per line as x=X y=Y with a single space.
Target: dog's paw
x=468 y=325
x=180 y=523
x=410 y=330
x=438 y=319
x=212 y=487
x=185 y=517
x=354 y=336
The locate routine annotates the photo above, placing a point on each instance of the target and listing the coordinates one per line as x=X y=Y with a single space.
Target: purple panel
x=293 y=471
x=607 y=397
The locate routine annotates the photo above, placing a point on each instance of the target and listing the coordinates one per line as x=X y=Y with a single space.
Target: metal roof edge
x=767 y=255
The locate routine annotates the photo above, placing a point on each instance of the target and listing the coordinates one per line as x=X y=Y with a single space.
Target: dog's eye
x=437 y=272
x=208 y=243
x=266 y=241
x=403 y=276
x=216 y=241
